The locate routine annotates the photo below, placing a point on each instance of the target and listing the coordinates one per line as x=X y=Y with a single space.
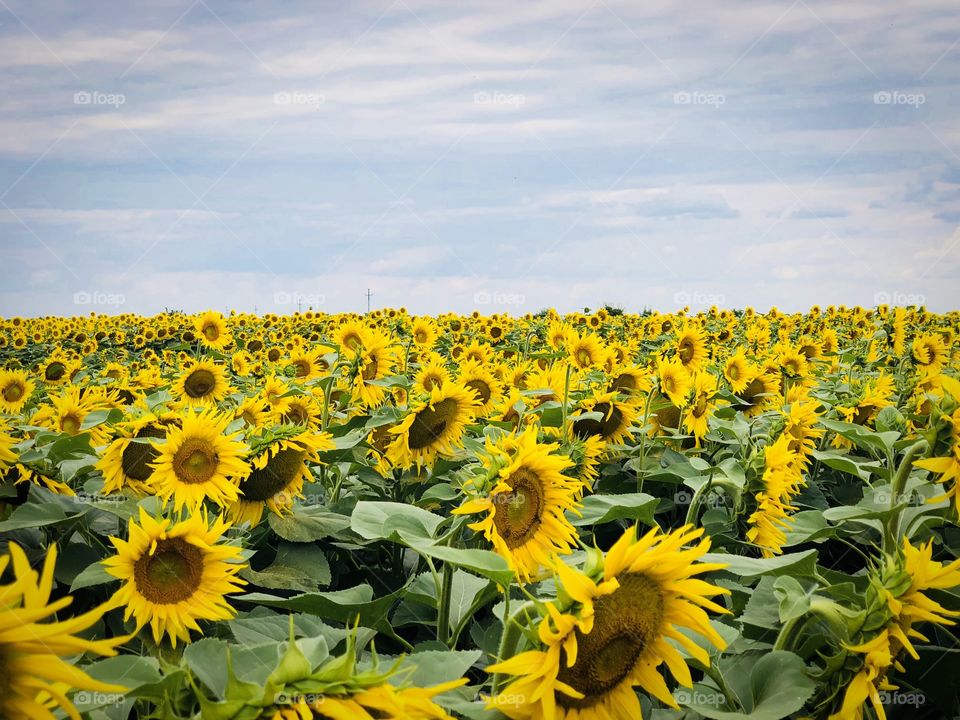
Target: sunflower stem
x=566 y=394
x=897 y=484
x=443 y=613
x=641 y=471
x=512 y=632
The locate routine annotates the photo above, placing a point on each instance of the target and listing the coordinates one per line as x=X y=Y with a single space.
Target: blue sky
x=493 y=156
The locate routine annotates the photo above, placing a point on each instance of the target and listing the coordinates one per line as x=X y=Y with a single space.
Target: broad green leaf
x=599 y=509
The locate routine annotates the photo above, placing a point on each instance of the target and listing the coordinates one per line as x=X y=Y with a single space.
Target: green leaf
x=388 y=520
x=432 y=667
x=776 y=687
x=600 y=509
x=94 y=574
x=34 y=515
x=308 y=524
x=339 y=606
x=845 y=463
x=800 y=564
x=793 y=598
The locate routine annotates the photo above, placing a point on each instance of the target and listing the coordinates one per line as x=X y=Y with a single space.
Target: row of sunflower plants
x=590 y=516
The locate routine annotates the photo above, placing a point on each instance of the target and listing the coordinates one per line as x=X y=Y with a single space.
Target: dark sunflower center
x=195 y=461
x=137 y=457
x=481 y=389
x=275 y=476
x=583 y=357
x=211 y=332
x=604 y=427
x=171 y=574
x=734 y=372
x=518 y=514
x=430 y=423
x=296 y=415
x=752 y=394
x=626 y=622
x=54 y=370
x=302 y=368
x=70 y=424
x=200 y=383
x=624 y=382
x=273 y=354
x=686 y=350
x=370 y=368
x=668 y=417
x=420 y=336
x=13 y=392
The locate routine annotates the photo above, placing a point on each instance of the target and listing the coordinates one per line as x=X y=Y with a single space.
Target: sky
x=495 y=156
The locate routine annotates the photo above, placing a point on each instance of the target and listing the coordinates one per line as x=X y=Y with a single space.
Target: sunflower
x=759 y=394
x=629 y=380
x=424 y=333
x=254 y=411
x=32 y=653
x=279 y=459
x=377 y=360
x=675 y=381
x=432 y=373
x=617 y=625
x=691 y=347
x=351 y=336
x=484 y=385
x=701 y=405
x=433 y=426
x=737 y=372
x=878 y=658
x=307 y=364
x=523 y=496
x=175 y=573
x=559 y=333
x=65 y=413
x=617 y=417
x=126 y=461
x=948 y=466
x=16 y=387
x=199 y=460
x=930 y=351
x=781 y=482
x=585 y=351
x=212 y=331
x=58 y=369
x=202 y=383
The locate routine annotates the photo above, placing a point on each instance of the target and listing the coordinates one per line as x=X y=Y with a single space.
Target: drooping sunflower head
x=629 y=380
x=279 y=457
x=200 y=460
x=175 y=574
x=523 y=497
x=609 y=629
x=433 y=426
x=929 y=350
x=16 y=387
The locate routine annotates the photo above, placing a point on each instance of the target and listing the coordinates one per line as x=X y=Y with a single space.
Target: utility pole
x=369 y=294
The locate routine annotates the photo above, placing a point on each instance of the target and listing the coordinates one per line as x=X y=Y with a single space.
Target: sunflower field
x=591 y=516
